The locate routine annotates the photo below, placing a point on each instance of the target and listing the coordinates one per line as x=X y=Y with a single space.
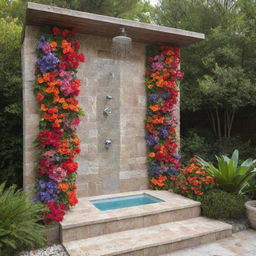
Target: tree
x=219 y=71
x=11 y=102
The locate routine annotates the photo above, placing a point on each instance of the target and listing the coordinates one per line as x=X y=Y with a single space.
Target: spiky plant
x=231 y=176
x=19 y=217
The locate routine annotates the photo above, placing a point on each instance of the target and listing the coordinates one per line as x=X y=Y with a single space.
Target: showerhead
x=122 y=45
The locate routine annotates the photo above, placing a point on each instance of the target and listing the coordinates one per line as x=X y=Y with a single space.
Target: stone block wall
x=123 y=166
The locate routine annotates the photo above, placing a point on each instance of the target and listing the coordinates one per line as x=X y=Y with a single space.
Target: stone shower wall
x=123 y=166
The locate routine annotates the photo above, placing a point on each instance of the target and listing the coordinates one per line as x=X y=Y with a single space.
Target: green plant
x=219 y=204
x=229 y=175
x=19 y=217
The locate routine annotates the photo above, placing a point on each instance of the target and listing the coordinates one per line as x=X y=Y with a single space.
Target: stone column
x=30 y=106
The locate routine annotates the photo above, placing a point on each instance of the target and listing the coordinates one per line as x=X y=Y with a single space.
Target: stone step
x=86 y=221
x=152 y=241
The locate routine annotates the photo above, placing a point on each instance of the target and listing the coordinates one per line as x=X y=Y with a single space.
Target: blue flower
x=151 y=140
x=164 y=133
x=42 y=38
x=48 y=191
x=153 y=97
x=159 y=170
x=41 y=45
x=171 y=171
x=176 y=156
x=165 y=95
x=47 y=62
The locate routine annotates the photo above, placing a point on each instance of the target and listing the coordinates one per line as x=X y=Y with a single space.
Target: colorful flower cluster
x=192 y=181
x=56 y=88
x=161 y=81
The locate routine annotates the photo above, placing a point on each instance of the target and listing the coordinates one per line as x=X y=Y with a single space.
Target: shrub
x=195 y=143
x=201 y=142
x=230 y=176
x=19 y=217
x=192 y=181
x=219 y=204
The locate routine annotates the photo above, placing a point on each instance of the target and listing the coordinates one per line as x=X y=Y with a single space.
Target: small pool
x=125 y=201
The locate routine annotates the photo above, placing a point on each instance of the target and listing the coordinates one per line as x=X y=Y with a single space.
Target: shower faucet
x=109 y=97
x=108 y=143
x=107 y=111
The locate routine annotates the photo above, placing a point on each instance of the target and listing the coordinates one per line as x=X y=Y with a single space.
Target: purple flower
x=176 y=156
x=165 y=95
x=151 y=171
x=41 y=45
x=164 y=133
x=155 y=169
x=48 y=191
x=153 y=97
x=47 y=62
x=159 y=170
x=151 y=140
x=42 y=38
x=171 y=171
x=57 y=158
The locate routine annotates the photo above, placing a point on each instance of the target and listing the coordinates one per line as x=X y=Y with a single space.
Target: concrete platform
x=155 y=240
x=85 y=220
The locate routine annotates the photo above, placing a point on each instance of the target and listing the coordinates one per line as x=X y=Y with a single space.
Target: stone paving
x=240 y=244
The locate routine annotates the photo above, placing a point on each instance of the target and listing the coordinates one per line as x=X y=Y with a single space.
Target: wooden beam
x=89 y=23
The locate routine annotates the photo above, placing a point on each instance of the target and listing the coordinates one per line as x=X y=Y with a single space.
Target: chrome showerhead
x=122 y=45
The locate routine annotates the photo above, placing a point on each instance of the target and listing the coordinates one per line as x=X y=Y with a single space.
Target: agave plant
x=231 y=176
x=19 y=216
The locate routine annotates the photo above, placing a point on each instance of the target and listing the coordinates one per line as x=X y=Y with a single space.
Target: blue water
x=124 y=202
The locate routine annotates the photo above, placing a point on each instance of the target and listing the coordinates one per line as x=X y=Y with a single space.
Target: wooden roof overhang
x=94 y=24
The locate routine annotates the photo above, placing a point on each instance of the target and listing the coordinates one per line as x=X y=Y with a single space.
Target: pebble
x=54 y=250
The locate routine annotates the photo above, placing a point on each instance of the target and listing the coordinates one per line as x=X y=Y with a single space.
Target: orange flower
x=158 y=120
x=63 y=186
x=169 y=60
x=155 y=107
x=172 y=130
x=43 y=107
x=65 y=105
x=160 y=83
x=66 y=47
x=169 y=52
x=40 y=80
x=63 y=148
x=76 y=141
x=72 y=198
x=46 y=77
x=53 y=45
x=150 y=86
x=152 y=155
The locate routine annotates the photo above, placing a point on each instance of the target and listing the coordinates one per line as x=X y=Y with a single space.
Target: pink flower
x=74 y=123
x=157 y=66
x=49 y=154
x=58 y=174
x=47 y=48
x=180 y=75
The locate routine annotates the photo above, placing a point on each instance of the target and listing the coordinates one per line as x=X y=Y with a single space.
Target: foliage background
x=218 y=91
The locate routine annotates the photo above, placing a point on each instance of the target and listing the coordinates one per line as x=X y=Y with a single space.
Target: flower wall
x=56 y=88
x=161 y=123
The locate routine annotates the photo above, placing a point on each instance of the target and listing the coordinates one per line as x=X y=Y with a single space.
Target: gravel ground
x=54 y=250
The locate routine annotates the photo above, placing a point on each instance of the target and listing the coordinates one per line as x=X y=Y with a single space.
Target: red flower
x=39 y=97
x=70 y=166
x=65 y=33
x=56 y=31
x=56 y=212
